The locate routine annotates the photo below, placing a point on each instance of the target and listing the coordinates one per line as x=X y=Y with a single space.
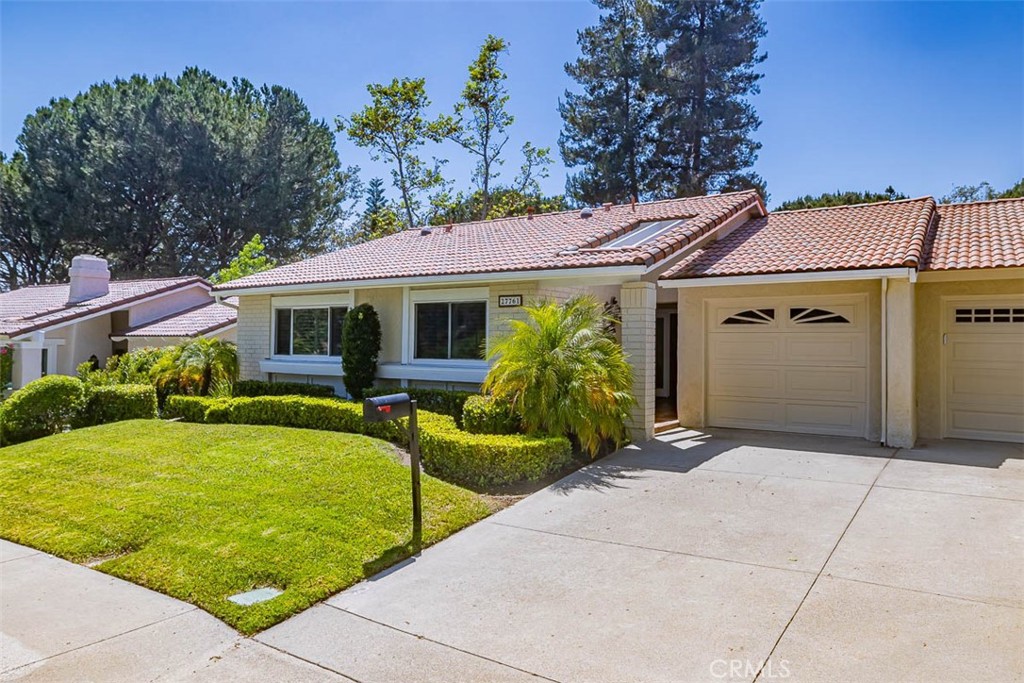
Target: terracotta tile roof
x=33 y=308
x=546 y=241
x=882 y=235
x=193 y=322
x=977 y=235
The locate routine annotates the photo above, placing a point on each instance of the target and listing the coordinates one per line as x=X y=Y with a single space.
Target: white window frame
x=449 y=295
x=327 y=301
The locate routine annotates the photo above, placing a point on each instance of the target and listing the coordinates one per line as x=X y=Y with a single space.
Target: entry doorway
x=666 y=339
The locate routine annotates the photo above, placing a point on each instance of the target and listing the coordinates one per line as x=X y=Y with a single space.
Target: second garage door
x=795 y=365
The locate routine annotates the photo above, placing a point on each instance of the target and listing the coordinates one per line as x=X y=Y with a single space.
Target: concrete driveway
x=733 y=556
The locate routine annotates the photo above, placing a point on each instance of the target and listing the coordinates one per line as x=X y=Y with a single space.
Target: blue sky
x=856 y=95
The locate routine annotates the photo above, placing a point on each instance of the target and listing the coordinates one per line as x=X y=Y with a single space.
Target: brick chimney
x=90 y=278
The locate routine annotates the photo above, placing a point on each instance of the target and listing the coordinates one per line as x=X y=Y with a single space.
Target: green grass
x=202 y=512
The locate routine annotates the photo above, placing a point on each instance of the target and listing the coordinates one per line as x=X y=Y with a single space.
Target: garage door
x=983 y=364
x=795 y=365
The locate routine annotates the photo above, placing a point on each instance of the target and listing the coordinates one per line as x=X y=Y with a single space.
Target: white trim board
x=616 y=274
x=780 y=278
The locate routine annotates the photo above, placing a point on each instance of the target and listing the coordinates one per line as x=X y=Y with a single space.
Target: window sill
x=324 y=368
x=436 y=371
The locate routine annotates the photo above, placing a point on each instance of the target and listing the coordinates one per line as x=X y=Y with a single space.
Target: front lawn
x=202 y=512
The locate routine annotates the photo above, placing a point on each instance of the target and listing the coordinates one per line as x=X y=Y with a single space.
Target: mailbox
x=392 y=407
x=384 y=408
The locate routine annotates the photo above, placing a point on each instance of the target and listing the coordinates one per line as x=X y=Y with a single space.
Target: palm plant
x=564 y=373
x=196 y=367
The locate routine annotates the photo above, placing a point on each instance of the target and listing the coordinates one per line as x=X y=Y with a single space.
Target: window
x=990 y=315
x=452 y=330
x=309 y=331
x=812 y=316
x=643 y=233
x=760 y=316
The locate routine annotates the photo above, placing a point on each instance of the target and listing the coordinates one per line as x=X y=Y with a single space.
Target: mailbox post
x=393 y=407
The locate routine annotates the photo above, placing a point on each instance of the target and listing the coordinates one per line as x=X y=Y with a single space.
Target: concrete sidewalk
x=735 y=556
x=64 y=622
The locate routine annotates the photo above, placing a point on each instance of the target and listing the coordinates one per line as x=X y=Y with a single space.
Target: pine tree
x=609 y=124
x=705 y=120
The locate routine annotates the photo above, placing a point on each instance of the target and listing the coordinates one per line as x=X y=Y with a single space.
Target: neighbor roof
x=977 y=235
x=881 y=235
x=193 y=322
x=543 y=242
x=34 y=308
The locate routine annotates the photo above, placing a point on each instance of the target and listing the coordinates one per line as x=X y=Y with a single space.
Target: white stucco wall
x=186 y=297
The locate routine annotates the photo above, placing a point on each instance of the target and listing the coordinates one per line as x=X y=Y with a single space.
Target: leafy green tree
x=1017 y=190
x=481 y=117
x=250 y=260
x=609 y=126
x=840 y=198
x=171 y=175
x=564 y=373
x=983 y=191
x=515 y=199
x=705 y=121
x=394 y=126
x=360 y=348
x=28 y=254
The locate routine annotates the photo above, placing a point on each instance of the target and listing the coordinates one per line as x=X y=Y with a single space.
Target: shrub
x=487 y=459
x=443 y=401
x=42 y=407
x=117 y=402
x=564 y=373
x=448 y=452
x=253 y=387
x=187 y=408
x=196 y=367
x=360 y=347
x=484 y=415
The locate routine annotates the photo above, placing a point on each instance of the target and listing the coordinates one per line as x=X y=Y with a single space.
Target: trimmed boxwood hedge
x=116 y=402
x=255 y=387
x=44 y=406
x=484 y=415
x=448 y=452
x=443 y=401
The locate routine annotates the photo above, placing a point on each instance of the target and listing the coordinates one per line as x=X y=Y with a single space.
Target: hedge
x=447 y=451
x=484 y=415
x=44 y=406
x=443 y=401
x=255 y=387
x=116 y=402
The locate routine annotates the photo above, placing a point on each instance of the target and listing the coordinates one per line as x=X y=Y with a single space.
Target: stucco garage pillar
x=901 y=408
x=639 y=301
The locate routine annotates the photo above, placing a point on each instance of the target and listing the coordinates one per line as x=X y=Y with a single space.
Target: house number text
x=510 y=300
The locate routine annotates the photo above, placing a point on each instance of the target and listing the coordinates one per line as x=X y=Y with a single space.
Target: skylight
x=643 y=233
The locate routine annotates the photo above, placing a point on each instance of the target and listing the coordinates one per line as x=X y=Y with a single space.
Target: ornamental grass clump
x=565 y=374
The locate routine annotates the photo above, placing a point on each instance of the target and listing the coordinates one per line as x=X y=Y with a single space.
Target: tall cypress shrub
x=360 y=347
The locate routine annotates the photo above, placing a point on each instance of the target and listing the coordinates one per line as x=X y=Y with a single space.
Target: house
x=884 y=321
x=54 y=328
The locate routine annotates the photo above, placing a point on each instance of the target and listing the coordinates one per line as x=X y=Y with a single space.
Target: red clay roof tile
x=882 y=235
x=977 y=235
x=545 y=241
x=33 y=308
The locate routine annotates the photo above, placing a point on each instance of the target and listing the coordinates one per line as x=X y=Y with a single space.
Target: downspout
x=885 y=362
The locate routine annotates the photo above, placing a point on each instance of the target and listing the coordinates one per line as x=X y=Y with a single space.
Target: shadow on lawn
x=392 y=559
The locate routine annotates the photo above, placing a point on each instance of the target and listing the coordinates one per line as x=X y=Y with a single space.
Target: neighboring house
x=54 y=328
x=882 y=321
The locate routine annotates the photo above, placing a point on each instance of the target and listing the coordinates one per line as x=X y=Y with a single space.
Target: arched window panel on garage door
x=816 y=316
x=753 y=316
